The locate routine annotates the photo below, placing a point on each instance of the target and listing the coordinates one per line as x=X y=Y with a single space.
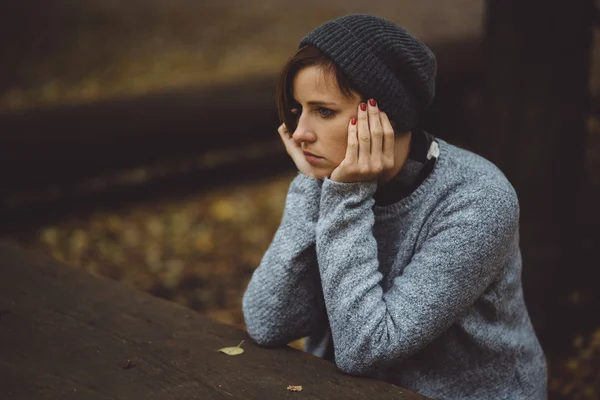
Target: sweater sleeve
x=283 y=300
x=465 y=249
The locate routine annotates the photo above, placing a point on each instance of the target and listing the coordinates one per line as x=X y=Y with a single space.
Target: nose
x=304 y=132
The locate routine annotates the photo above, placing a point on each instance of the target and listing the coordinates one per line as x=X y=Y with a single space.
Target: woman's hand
x=370 y=149
x=294 y=150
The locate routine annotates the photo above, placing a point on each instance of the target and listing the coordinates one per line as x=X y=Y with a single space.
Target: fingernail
x=372 y=102
x=363 y=106
x=353 y=121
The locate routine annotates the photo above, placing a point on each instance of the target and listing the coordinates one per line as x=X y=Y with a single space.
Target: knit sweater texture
x=425 y=293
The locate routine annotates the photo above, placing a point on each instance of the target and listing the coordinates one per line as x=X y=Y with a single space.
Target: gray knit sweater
x=425 y=293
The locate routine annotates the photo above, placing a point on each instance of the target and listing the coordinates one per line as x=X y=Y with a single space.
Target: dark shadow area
x=65 y=144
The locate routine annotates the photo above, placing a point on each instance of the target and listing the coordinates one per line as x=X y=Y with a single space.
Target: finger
x=376 y=131
x=364 y=136
x=388 y=135
x=283 y=130
x=352 y=147
x=287 y=139
x=284 y=134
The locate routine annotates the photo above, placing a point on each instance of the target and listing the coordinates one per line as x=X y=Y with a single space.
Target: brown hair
x=304 y=57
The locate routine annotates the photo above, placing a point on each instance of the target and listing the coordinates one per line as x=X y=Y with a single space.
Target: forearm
x=281 y=302
x=348 y=265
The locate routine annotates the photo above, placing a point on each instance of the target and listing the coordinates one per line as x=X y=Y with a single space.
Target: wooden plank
x=85 y=140
x=68 y=334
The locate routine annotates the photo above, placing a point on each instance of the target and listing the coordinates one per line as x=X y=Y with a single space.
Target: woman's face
x=324 y=115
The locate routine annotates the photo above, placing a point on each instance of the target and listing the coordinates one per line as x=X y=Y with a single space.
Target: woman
x=398 y=254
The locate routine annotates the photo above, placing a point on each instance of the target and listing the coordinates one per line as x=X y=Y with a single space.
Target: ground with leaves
x=198 y=251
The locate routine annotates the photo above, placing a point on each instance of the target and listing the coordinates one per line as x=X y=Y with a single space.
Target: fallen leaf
x=294 y=388
x=223 y=209
x=233 y=351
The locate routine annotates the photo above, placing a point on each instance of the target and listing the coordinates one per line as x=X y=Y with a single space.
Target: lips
x=308 y=153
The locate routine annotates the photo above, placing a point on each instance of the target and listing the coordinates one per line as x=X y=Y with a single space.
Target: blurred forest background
x=138 y=141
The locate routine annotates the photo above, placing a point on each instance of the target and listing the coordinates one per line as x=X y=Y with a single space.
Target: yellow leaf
x=204 y=241
x=297 y=344
x=223 y=209
x=233 y=351
x=49 y=236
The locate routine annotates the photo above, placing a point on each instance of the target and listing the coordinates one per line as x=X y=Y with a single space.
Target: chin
x=322 y=174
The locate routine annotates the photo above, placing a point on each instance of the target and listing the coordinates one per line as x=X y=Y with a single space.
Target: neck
x=401 y=150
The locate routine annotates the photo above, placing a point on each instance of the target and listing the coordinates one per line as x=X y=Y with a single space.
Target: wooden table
x=67 y=334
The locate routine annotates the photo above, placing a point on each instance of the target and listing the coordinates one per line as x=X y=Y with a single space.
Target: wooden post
x=536 y=69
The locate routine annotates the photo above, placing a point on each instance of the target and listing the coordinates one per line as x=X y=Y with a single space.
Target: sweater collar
x=422 y=154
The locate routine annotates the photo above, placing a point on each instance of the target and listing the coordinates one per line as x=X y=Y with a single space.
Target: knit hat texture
x=383 y=61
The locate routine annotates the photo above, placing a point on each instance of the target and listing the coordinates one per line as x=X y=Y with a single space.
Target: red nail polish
x=363 y=106
x=353 y=121
x=372 y=102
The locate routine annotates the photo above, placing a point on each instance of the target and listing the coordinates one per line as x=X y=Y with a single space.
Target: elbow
x=261 y=331
x=352 y=368
x=262 y=335
x=267 y=335
x=365 y=356
x=357 y=365
x=263 y=340
x=269 y=326
x=357 y=361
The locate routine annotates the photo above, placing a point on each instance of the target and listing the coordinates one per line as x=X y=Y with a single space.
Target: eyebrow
x=321 y=103
x=318 y=103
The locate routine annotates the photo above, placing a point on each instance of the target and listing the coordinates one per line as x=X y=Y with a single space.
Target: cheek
x=334 y=139
x=340 y=142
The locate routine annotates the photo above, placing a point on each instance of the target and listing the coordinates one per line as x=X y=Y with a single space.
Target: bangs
x=304 y=57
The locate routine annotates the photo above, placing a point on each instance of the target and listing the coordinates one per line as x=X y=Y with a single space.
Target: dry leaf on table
x=233 y=351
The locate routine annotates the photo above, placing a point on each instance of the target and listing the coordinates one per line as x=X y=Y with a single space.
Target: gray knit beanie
x=383 y=61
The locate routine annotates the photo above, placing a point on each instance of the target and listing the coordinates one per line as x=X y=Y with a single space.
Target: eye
x=324 y=112
x=296 y=109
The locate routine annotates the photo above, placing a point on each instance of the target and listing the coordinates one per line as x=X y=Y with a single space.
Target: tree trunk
x=536 y=95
